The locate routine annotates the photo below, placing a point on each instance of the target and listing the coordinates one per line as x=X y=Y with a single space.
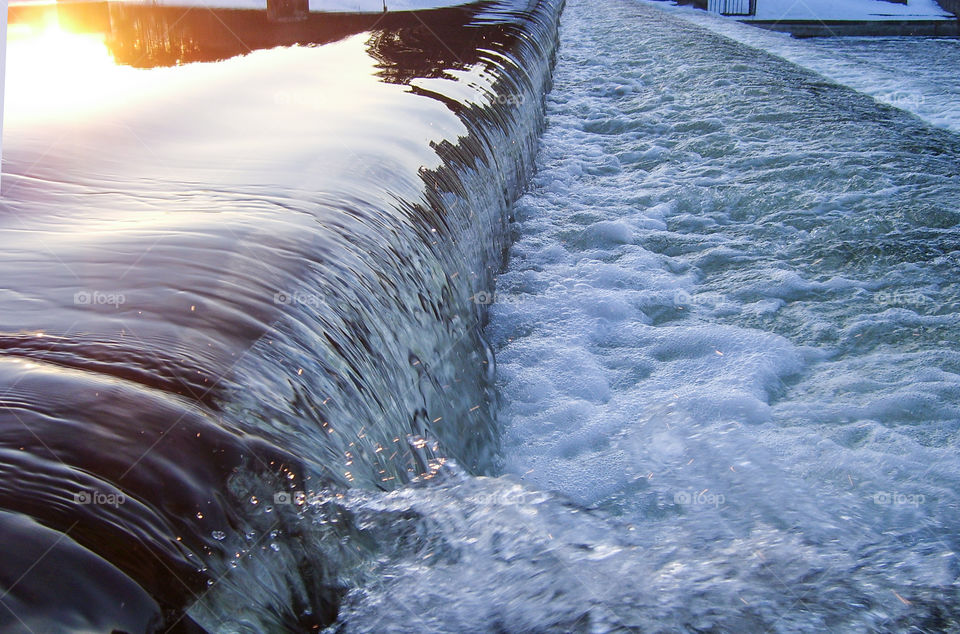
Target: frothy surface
x=730 y=319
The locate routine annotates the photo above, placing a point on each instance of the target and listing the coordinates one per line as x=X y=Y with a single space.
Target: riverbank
x=843 y=18
x=862 y=28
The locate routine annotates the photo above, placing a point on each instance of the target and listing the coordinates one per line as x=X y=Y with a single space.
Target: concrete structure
x=833 y=28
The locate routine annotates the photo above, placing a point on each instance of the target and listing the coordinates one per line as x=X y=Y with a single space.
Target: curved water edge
x=235 y=306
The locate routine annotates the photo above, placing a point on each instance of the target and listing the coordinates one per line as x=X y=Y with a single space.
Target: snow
x=916 y=74
x=848 y=10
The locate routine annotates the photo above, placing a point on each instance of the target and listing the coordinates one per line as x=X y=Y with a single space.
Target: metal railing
x=732 y=7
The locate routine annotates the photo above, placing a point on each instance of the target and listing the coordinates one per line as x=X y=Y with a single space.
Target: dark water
x=240 y=260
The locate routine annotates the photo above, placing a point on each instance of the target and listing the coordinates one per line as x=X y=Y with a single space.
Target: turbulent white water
x=727 y=355
x=726 y=343
x=730 y=319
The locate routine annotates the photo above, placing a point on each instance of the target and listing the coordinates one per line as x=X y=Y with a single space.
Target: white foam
x=729 y=316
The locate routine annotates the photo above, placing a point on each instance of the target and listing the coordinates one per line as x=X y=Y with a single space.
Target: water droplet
x=218 y=535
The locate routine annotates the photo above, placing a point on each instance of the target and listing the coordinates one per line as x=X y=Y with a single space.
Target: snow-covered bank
x=915 y=74
x=848 y=10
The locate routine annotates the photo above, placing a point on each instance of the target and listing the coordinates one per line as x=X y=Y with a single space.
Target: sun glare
x=51 y=71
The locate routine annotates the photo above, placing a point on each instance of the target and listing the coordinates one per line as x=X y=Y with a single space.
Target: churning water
x=246 y=289
x=730 y=321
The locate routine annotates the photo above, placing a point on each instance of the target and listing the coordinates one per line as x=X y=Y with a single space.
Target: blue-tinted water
x=730 y=321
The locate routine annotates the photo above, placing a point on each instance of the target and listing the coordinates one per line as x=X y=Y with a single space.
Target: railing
x=732 y=7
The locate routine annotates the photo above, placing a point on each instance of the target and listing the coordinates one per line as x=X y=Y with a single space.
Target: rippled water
x=225 y=284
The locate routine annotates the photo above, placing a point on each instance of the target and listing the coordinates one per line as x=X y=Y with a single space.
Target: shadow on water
x=151 y=435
